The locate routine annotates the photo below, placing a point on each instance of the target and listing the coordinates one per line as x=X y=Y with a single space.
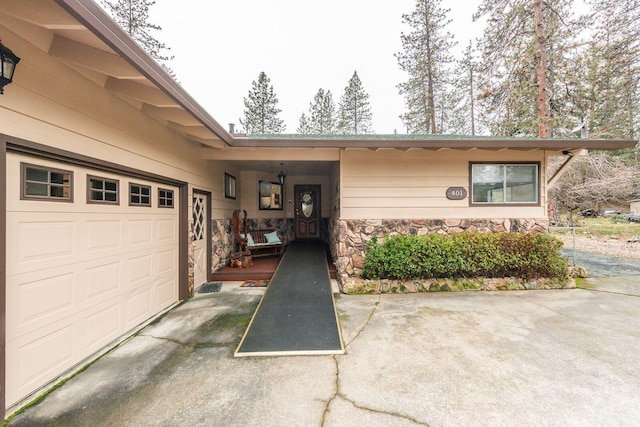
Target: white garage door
x=81 y=269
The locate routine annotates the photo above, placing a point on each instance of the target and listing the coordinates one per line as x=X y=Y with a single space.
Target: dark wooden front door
x=308 y=213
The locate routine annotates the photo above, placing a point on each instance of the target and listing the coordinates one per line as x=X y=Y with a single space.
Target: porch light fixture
x=9 y=61
x=281 y=175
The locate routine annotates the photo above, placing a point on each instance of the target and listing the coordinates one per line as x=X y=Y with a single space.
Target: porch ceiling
x=80 y=34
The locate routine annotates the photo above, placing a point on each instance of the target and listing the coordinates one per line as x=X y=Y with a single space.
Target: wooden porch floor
x=262 y=269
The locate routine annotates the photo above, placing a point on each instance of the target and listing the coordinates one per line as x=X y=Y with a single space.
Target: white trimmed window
x=505 y=183
x=139 y=195
x=44 y=183
x=102 y=190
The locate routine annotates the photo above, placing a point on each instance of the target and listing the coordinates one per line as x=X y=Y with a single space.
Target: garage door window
x=139 y=195
x=102 y=190
x=165 y=198
x=43 y=183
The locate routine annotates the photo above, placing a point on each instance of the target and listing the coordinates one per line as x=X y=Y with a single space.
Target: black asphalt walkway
x=297 y=314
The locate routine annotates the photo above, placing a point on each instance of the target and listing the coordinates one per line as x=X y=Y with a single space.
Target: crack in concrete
x=340 y=395
x=175 y=341
x=375 y=307
x=336 y=391
x=195 y=345
x=390 y=413
x=610 y=292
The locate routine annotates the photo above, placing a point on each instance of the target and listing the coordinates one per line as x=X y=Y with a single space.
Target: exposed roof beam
x=171 y=114
x=572 y=156
x=93 y=59
x=211 y=143
x=197 y=131
x=89 y=14
x=141 y=92
x=42 y=13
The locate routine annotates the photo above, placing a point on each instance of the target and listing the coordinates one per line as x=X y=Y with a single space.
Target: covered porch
x=262 y=269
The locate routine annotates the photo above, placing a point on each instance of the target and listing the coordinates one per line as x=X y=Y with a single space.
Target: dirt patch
x=611 y=246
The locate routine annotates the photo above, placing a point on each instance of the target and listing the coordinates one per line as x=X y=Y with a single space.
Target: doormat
x=208 y=287
x=255 y=284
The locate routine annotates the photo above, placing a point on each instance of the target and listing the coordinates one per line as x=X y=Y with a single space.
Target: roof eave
x=488 y=143
x=97 y=21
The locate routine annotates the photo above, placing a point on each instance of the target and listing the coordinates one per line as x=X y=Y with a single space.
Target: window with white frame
x=505 y=183
x=44 y=183
x=139 y=195
x=102 y=190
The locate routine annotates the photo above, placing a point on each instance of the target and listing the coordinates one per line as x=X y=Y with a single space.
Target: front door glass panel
x=306 y=203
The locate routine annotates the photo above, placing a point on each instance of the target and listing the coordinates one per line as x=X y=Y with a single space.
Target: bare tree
x=592 y=180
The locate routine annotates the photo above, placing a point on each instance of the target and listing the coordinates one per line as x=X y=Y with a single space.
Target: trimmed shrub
x=465 y=255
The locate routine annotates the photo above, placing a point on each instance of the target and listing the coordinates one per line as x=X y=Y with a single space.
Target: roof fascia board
x=98 y=22
x=551 y=144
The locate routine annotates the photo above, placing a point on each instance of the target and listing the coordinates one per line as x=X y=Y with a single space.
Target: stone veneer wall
x=348 y=238
x=284 y=226
x=222 y=244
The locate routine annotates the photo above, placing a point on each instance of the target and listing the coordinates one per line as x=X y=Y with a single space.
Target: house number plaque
x=456 y=193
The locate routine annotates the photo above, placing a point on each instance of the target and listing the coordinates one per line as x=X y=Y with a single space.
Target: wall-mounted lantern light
x=281 y=175
x=9 y=61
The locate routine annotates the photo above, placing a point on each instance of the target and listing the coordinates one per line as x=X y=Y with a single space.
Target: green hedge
x=467 y=254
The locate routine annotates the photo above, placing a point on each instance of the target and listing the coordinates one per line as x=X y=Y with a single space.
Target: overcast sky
x=220 y=47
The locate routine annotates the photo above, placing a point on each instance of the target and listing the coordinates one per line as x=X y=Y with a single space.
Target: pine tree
x=354 y=110
x=463 y=93
x=608 y=99
x=261 y=108
x=425 y=58
x=133 y=16
x=304 y=126
x=525 y=73
x=323 y=113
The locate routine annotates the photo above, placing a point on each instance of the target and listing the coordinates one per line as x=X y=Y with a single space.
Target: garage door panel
x=45 y=354
x=166 y=292
x=167 y=230
x=81 y=275
x=103 y=326
x=102 y=280
x=39 y=297
x=139 y=269
x=41 y=357
x=103 y=235
x=43 y=242
x=33 y=303
x=139 y=232
x=138 y=307
x=166 y=261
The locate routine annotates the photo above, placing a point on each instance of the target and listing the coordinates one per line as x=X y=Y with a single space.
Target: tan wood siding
x=395 y=184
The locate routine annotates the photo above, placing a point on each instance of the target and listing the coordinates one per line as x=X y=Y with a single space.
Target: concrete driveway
x=569 y=357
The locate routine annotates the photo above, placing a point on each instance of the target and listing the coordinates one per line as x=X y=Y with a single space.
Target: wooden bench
x=261 y=247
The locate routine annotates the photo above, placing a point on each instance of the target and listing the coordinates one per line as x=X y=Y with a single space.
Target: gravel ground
x=604 y=257
x=605 y=246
